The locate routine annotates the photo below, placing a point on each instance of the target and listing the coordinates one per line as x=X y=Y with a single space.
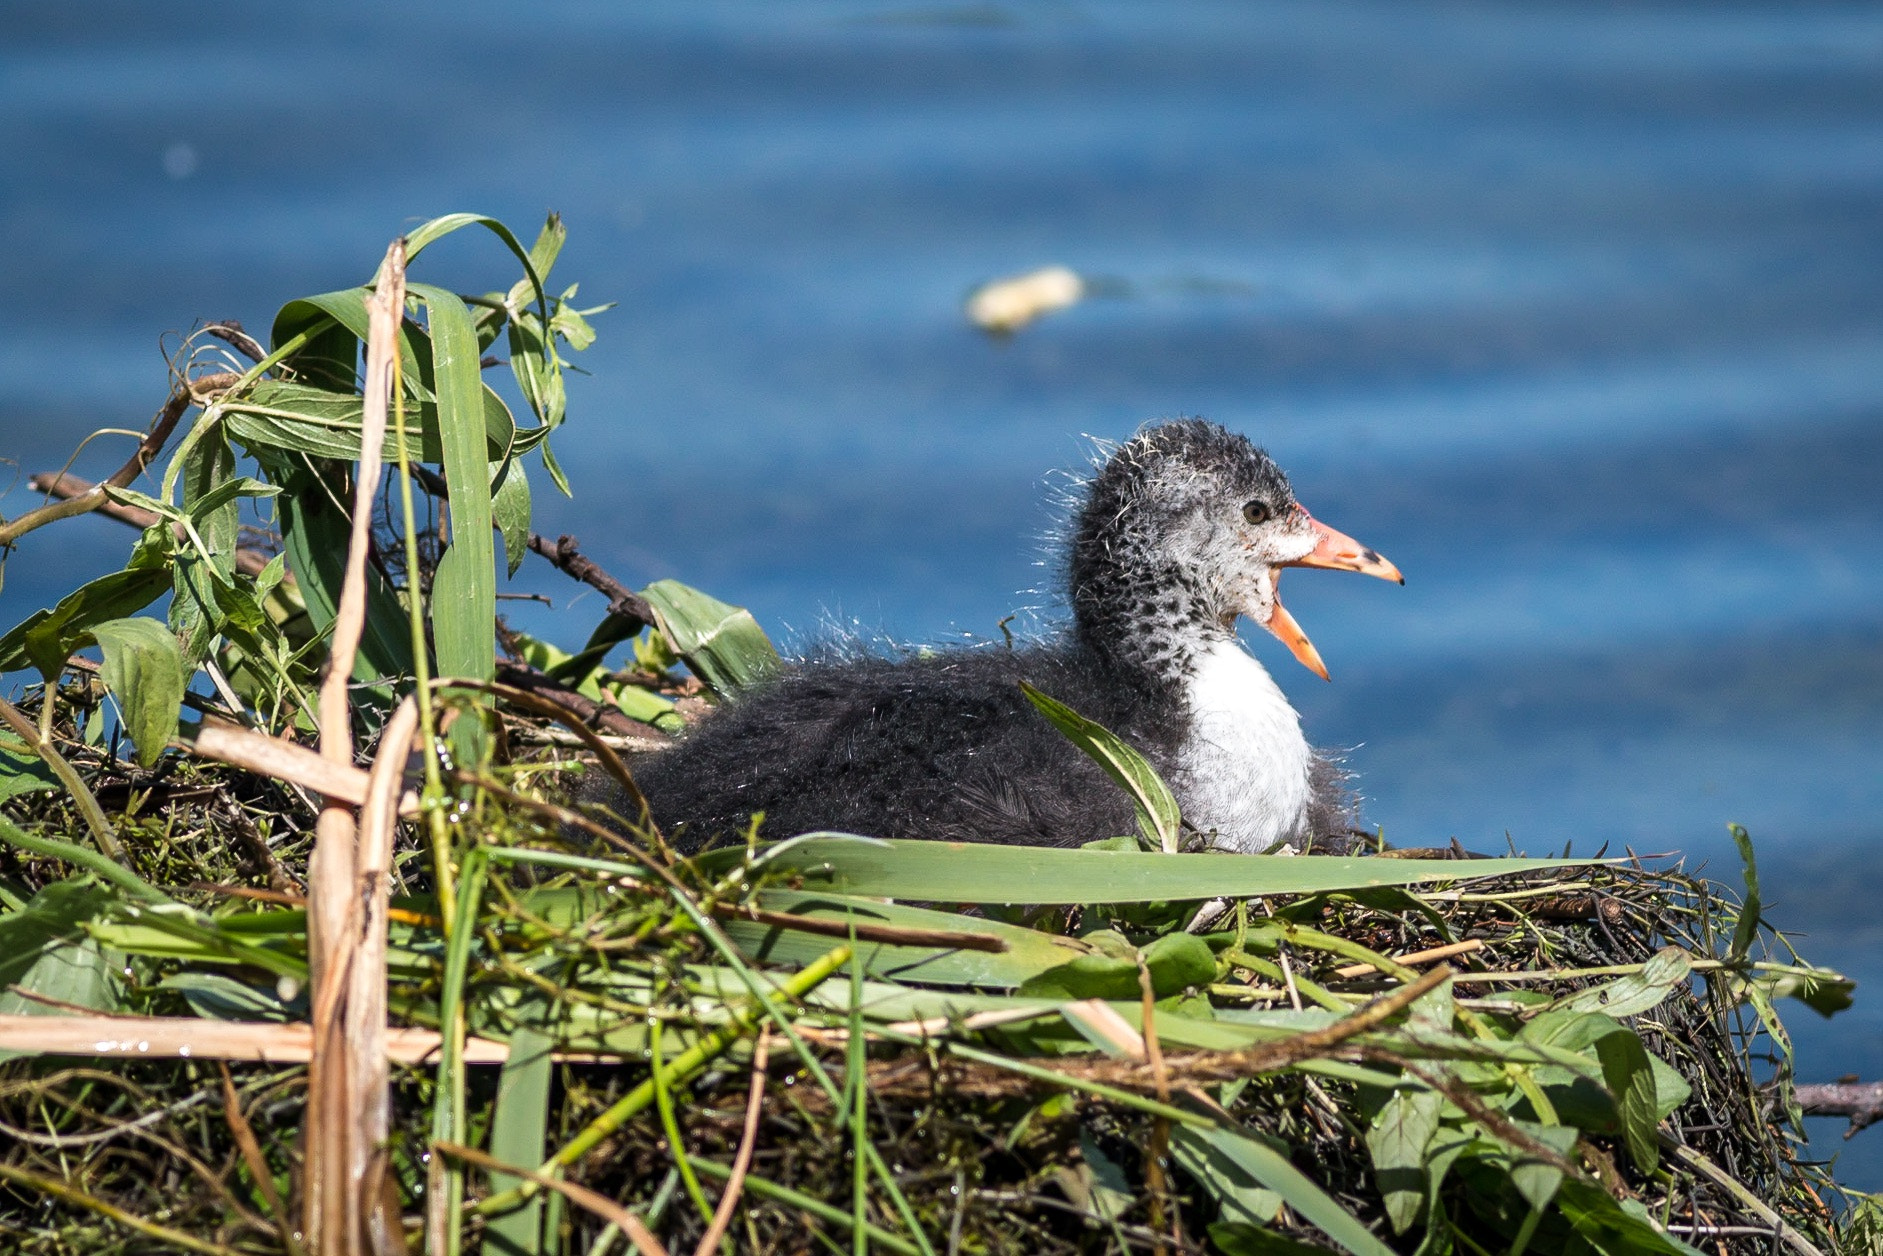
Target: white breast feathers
x=1243 y=772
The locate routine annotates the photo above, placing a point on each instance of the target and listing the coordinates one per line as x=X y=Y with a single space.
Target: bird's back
x=944 y=747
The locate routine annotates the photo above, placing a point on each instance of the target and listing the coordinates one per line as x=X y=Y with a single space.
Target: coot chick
x=1183 y=529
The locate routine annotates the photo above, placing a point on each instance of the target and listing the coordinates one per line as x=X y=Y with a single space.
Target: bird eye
x=1257 y=512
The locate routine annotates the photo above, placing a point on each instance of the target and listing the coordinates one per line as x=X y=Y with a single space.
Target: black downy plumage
x=1183 y=529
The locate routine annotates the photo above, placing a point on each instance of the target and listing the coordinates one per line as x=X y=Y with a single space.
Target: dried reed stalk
x=346 y=1127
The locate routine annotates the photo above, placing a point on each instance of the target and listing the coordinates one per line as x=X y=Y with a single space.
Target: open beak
x=1338 y=552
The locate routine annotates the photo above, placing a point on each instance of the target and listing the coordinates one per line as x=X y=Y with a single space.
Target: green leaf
x=955 y=872
x=722 y=643
x=1028 y=952
x=45 y=639
x=207 y=475
x=1823 y=990
x=1630 y=1078
x=1666 y=970
x=1615 y=1228
x=144 y=669
x=23 y=772
x=1397 y=1141
x=1179 y=961
x=1085 y=977
x=1747 y=927
x=315 y=534
x=1156 y=805
x=510 y=507
x=299 y=418
x=1536 y=1179
x=216 y=996
x=1582 y=1032
x=465 y=583
x=1243 y=1161
x=1238 y=1238
x=1239 y=1197
x=45 y=950
x=518 y=1126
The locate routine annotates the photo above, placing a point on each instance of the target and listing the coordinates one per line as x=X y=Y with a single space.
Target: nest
x=992 y=1134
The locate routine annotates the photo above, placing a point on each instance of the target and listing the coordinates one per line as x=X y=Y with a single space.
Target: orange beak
x=1338 y=552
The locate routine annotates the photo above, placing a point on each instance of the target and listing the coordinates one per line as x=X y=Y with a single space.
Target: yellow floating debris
x=1007 y=305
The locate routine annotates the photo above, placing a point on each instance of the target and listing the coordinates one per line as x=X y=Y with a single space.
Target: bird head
x=1206 y=510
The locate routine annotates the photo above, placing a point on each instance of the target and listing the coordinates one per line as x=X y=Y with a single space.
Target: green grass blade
x=466 y=581
x=954 y=872
x=1028 y=952
x=1272 y=1170
x=1157 y=806
x=519 y=1125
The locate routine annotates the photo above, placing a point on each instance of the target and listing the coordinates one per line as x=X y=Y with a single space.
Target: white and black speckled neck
x=1155 y=579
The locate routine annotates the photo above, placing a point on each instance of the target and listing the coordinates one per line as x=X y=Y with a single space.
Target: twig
x=1417 y=957
x=603 y=1207
x=182 y=397
x=104 y=1135
x=363 y=1016
x=257 y=1164
x=231 y=333
x=149 y=1229
x=622 y=601
x=67 y=486
x=285 y=761
x=1862 y=1102
x=342 y=1134
x=74 y=784
x=748 y=1142
x=1737 y=1189
x=586 y=709
x=182 y=1037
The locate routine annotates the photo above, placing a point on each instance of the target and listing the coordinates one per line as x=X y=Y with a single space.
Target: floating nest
x=1323 y=1026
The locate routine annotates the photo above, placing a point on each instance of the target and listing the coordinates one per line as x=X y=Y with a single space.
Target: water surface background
x=1575 y=311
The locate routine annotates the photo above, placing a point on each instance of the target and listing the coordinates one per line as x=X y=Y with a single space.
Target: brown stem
x=182 y=398
x=232 y=334
x=622 y=601
x=67 y=487
x=523 y=676
x=1862 y=1102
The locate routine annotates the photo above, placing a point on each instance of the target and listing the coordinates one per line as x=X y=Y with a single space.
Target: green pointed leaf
x=1665 y=971
x=1630 y=1078
x=1239 y=1238
x=1179 y=961
x=722 y=643
x=315 y=535
x=510 y=507
x=1746 y=929
x=144 y=671
x=207 y=473
x=1615 y=1227
x=1085 y=977
x=45 y=950
x=22 y=771
x=1156 y=805
x=1248 y=1162
x=519 y=1124
x=46 y=638
x=1397 y=1141
x=955 y=872
x=465 y=583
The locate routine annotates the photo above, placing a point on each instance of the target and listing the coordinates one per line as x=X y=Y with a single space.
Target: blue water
x=1575 y=311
